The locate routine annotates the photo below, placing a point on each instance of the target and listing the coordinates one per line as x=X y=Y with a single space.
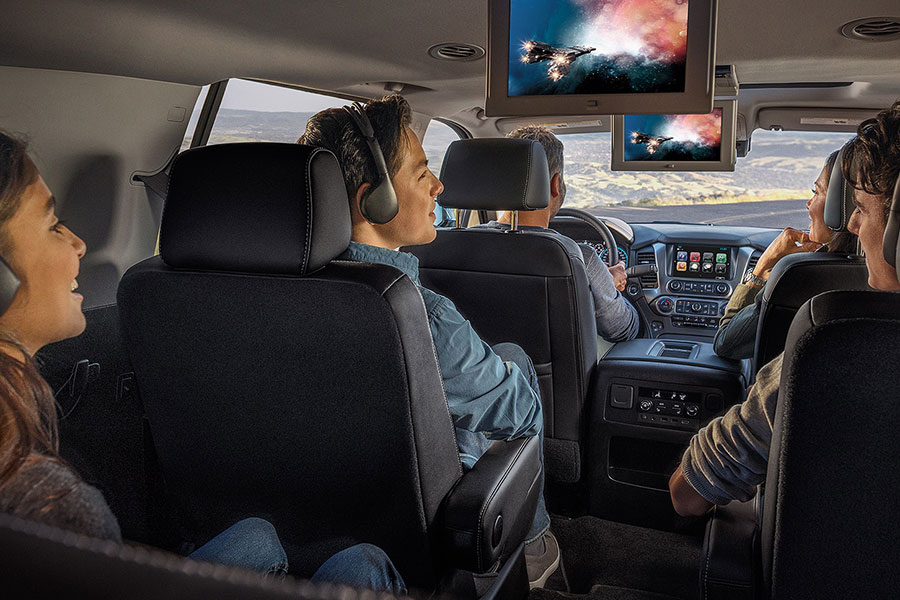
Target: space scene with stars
x=597 y=46
x=673 y=137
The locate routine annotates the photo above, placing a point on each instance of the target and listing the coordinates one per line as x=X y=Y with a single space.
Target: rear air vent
x=648 y=257
x=874 y=29
x=457 y=52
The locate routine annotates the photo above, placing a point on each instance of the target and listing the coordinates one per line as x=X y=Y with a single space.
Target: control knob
x=692 y=410
x=721 y=288
x=665 y=305
x=645 y=405
x=696 y=307
x=676 y=286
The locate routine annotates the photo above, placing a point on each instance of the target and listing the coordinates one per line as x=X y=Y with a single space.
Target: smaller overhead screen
x=582 y=57
x=694 y=142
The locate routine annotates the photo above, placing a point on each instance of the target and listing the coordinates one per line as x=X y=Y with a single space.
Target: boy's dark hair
x=871 y=161
x=335 y=130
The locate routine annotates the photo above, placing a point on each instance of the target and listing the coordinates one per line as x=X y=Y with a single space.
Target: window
x=438 y=137
x=768 y=188
x=260 y=112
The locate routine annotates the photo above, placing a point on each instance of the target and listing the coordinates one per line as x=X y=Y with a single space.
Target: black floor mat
x=612 y=561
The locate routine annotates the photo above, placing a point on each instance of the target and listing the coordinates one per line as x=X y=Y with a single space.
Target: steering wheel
x=612 y=254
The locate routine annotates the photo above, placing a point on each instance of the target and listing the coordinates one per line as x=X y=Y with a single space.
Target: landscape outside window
x=259 y=112
x=768 y=188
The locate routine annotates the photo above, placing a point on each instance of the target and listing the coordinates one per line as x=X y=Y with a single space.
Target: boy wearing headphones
x=392 y=201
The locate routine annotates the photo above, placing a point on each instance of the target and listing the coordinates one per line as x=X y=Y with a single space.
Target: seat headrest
x=255 y=208
x=495 y=174
x=890 y=246
x=839 y=198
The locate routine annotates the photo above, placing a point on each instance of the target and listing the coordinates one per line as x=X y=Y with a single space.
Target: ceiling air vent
x=873 y=29
x=457 y=52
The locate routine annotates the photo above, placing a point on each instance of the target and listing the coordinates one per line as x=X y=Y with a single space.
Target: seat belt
x=157 y=185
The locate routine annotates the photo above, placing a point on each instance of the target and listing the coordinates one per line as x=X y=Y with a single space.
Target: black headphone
x=9 y=284
x=380 y=205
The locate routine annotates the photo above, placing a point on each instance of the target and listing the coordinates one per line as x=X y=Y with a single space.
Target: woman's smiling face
x=45 y=257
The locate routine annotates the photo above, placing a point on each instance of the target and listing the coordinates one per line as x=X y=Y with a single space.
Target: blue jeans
x=250 y=544
x=253 y=544
x=362 y=566
x=473 y=445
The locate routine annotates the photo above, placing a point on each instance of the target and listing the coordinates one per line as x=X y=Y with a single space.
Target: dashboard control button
x=696 y=307
x=721 y=288
x=645 y=405
x=665 y=305
x=633 y=289
x=691 y=409
x=656 y=326
x=676 y=286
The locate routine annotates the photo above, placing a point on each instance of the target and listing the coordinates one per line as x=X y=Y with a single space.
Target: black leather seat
x=798 y=277
x=281 y=384
x=828 y=525
x=527 y=287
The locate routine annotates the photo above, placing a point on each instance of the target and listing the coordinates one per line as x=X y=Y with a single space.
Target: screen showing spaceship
x=673 y=137
x=597 y=46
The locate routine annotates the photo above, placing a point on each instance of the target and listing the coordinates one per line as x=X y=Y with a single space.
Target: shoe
x=541 y=559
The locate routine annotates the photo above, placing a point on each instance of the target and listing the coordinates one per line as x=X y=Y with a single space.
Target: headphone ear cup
x=9 y=285
x=381 y=205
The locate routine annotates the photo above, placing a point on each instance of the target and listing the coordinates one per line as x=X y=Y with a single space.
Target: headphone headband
x=380 y=205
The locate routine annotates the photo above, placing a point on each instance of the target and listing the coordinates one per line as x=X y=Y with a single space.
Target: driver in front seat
x=617 y=319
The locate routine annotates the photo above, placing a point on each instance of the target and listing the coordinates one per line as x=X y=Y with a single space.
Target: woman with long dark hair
x=736 y=336
x=35 y=483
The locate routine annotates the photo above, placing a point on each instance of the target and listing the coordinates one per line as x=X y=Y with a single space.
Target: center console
x=649 y=397
x=694 y=284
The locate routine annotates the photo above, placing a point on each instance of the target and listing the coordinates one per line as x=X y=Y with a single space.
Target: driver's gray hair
x=552 y=146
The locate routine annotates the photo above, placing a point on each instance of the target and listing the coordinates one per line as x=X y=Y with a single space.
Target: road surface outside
x=775 y=213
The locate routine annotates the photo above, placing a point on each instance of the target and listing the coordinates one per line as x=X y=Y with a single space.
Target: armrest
x=491 y=508
x=730 y=552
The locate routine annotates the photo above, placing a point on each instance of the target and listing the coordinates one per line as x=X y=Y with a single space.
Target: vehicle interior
x=187 y=378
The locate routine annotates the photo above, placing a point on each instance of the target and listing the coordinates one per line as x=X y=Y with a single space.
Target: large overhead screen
x=701 y=142
x=584 y=57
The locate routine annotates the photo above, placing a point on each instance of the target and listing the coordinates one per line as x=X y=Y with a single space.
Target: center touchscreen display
x=711 y=262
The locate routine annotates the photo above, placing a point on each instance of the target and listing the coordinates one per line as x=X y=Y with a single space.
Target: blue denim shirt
x=485 y=395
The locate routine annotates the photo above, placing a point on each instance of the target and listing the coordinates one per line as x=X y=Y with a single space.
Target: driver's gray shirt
x=617 y=320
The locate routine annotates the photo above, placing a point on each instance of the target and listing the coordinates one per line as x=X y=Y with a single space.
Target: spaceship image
x=560 y=59
x=653 y=142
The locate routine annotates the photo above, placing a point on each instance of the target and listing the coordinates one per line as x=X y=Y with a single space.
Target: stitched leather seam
x=305 y=262
x=527 y=176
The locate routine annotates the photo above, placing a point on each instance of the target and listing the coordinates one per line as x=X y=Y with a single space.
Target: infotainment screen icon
x=701 y=261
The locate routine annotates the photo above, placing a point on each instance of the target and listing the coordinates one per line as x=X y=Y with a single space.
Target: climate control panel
x=684 y=407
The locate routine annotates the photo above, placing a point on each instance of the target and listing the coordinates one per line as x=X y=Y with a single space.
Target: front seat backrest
x=277 y=383
x=530 y=288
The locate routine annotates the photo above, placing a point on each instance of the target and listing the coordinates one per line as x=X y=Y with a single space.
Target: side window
x=261 y=112
x=438 y=137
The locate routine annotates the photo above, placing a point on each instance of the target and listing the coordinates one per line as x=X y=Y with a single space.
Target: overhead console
x=649 y=397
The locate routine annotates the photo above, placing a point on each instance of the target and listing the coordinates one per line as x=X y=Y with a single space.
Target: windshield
x=768 y=188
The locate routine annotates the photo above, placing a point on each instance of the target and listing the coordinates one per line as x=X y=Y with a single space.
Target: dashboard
x=698 y=267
